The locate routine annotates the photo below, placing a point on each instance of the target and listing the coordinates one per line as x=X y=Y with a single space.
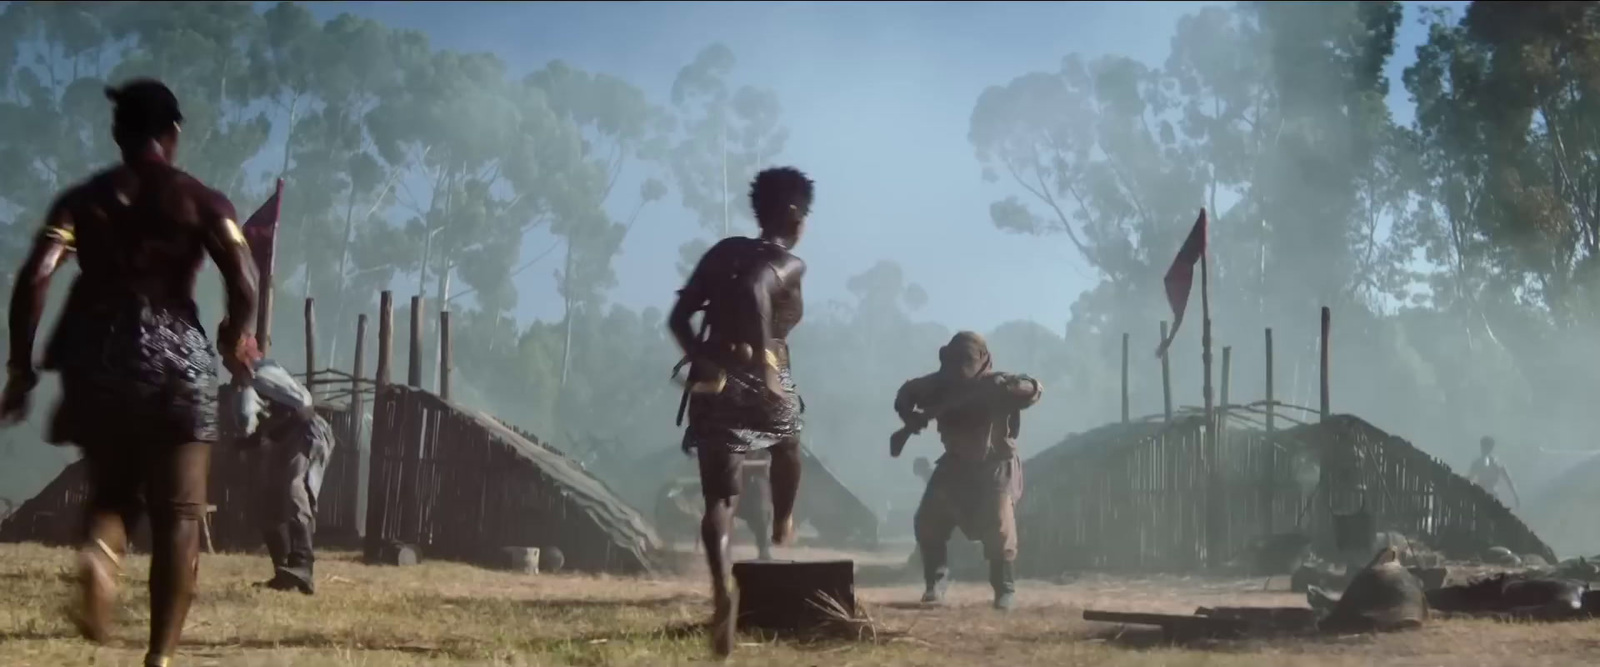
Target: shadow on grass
x=682 y=632
x=490 y=605
x=37 y=635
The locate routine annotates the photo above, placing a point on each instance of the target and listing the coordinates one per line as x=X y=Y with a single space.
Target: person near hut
x=295 y=444
x=134 y=363
x=674 y=508
x=741 y=397
x=977 y=481
x=1488 y=472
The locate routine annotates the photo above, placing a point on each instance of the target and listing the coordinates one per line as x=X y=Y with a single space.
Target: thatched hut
x=55 y=514
x=841 y=519
x=1140 y=496
x=459 y=484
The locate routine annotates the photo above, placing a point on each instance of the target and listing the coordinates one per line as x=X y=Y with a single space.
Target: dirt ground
x=451 y=614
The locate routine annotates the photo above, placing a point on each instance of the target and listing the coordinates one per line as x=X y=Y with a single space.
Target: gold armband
x=232 y=232
x=60 y=235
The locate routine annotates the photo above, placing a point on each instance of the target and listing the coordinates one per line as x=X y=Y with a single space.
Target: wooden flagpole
x=1215 y=520
x=1205 y=326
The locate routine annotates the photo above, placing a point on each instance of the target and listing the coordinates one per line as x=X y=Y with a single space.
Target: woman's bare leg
x=177 y=505
x=785 y=479
x=714 y=528
x=114 y=482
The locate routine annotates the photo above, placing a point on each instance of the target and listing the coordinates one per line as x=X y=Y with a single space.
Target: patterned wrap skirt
x=744 y=416
x=133 y=371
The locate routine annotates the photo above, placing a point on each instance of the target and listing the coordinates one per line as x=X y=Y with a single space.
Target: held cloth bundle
x=274 y=385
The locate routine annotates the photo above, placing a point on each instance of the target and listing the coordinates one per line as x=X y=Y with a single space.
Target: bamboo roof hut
x=1561 y=508
x=840 y=517
x=55 y=515
x=461 y=485
x=1138 y=495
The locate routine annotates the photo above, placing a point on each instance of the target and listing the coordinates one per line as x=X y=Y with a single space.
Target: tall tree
x=1090 y=144
x=620 y=128
x=728 y=133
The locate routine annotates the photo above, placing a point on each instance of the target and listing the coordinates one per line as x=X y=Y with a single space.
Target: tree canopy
x=1458 y=250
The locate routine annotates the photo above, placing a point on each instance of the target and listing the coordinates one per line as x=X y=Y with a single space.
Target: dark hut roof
x=53 y=515
x=838 y=514
x=1562 y=507
x=1108 y=438
x=583 y=491
x=1125 y=494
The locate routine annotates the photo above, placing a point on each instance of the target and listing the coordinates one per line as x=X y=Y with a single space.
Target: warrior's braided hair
x=774 y=191
x=143 y=109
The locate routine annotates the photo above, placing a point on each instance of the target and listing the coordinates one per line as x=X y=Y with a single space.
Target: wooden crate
x=789 y=595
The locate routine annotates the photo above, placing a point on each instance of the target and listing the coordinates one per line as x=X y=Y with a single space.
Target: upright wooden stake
x=372 y=544
x=1216 y=523
x=264 y=311
x=385 y=370
x=1205 y=344
x=1272 y=408
x=1327 y=324
x=1227 y=374
x=358 y=410
x=311 y=345
x=414 y=359
x=445 y=362
x=1166 y=378
x=1124 y=377
x=1268 y=481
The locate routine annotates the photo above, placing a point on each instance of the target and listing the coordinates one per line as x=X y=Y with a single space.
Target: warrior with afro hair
x=739 y=395
x=781 y=198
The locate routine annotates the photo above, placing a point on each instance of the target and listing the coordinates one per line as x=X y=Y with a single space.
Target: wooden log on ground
x=789 y=595
x=518 y=559
x=1266 y=620
x=1431 y=577
x=396 y=553
x=551 y=559
x=1174 y=626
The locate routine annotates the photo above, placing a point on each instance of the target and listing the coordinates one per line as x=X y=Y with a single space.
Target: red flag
x=1180 y=277
x=261 y=230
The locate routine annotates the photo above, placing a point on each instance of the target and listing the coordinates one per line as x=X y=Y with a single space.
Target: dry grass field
x=450 y=614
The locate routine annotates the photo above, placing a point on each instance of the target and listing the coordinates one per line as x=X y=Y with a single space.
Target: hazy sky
x=877 y=98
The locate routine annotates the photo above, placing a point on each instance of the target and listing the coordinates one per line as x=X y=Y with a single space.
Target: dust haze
x=1025 y=170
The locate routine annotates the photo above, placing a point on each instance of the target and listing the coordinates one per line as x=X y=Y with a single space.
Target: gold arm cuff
x=60 y=235
x=234 y=234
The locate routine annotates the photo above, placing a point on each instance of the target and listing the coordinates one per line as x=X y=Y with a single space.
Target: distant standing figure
x=296 y=443
x=742 y=397
x=136 y=369
x=922 y=469
x=975 y=485
x=756 y=510
x=1488 y=473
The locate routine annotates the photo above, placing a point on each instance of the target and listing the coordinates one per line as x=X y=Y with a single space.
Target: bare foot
x=96 y=588
x=783 y=531
x=724 y=624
